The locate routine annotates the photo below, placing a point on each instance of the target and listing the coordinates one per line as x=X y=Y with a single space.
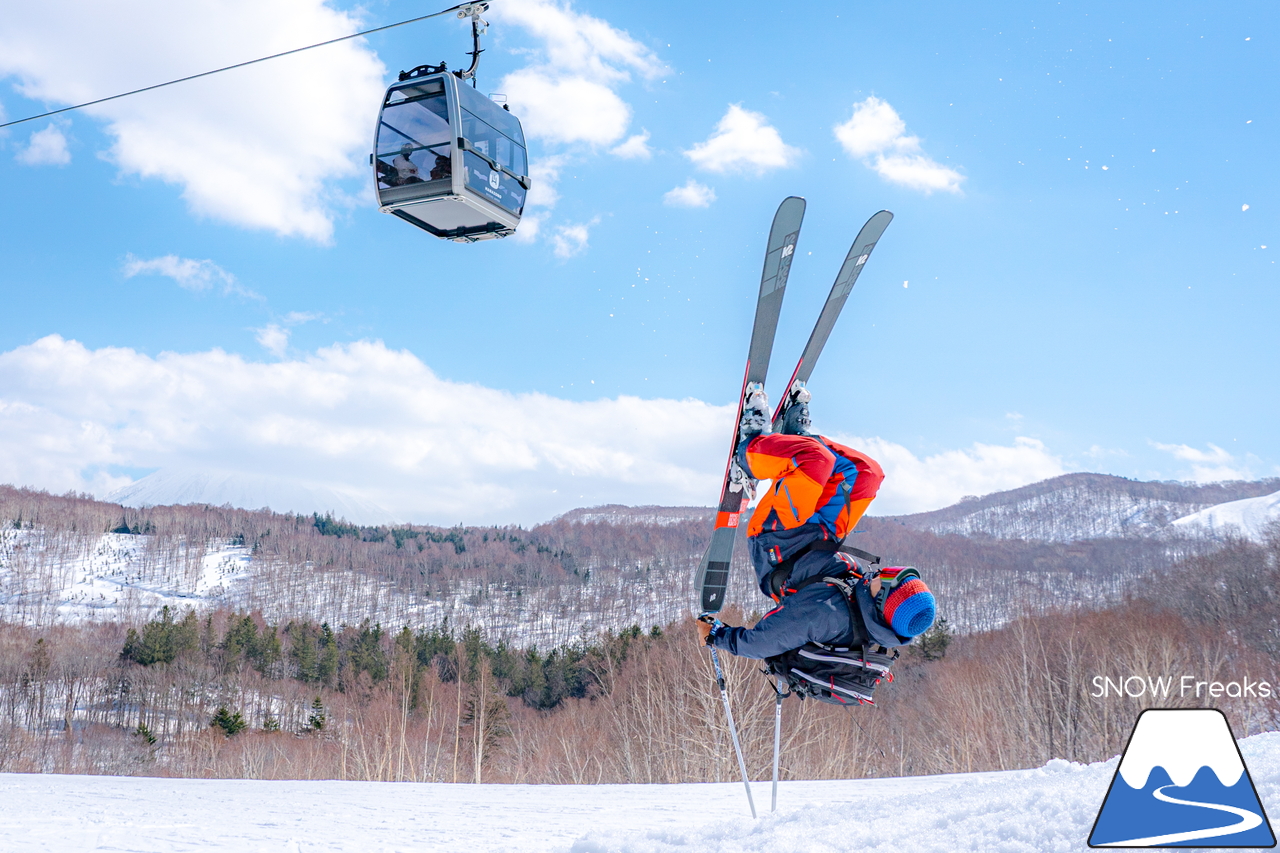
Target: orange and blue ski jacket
x=820 y=490
x=815 y=480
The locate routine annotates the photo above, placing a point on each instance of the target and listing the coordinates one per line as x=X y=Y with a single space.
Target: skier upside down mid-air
x=819 y=491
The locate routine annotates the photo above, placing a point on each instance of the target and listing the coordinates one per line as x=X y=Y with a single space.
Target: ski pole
x=737 y=747
x=777 y=742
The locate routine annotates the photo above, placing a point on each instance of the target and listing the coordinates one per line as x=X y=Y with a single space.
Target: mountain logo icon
x=1182 y=782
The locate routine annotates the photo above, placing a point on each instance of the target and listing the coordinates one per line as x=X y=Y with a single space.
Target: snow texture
x=1250 y=517
x=1023 y=811
x=49 y=576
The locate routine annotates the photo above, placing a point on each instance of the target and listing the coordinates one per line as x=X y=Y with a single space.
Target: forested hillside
x=209 y=641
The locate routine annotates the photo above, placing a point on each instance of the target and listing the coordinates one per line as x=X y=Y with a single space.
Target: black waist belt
x=832 y=546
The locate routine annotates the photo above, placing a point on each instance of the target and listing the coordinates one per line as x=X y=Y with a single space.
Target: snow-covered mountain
x=1249 y=517
x=169 y=486
x=1083 y=506
x=1050 y=809
x=621 y=515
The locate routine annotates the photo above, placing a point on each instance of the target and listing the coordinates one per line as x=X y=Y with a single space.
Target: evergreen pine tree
x=934 y=642
x=230 y=723
x=327 y=668
x=317 y=720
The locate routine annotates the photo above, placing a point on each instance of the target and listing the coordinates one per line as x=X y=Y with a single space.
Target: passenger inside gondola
x=414 y=120
x=406 y=169
x=442 y=169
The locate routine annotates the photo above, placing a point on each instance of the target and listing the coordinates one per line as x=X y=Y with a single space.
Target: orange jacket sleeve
x=799 y=466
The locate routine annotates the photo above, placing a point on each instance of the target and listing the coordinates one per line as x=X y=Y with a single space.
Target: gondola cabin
x=449 y=160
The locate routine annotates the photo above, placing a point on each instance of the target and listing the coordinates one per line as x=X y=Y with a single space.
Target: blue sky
x=1085 y=286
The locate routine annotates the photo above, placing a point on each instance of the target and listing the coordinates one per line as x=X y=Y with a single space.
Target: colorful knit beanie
x=906 y=602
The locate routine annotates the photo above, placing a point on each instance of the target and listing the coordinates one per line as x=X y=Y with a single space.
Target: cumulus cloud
x=1207 y=466
x=259 y=147
x=567 y=98
x=876 y=134
x=743 y=141
x=46 y=147
x=635 y=148
x=273 y=338
x=915 y=484
x=190 y=274
x=359 y=417
x=571 y=239
x=567 y=92
x=692 y=194
x=567 y=109
x=369 y=420
x=545 y=174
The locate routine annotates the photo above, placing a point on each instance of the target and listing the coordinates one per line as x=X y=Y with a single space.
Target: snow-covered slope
x=1044 y=810
x=247 y=491
x=1249 y=517
x=1082 y=506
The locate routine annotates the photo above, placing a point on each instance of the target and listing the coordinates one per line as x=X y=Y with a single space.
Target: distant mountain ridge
x=1074 y=507
x=620 y=514
x=177 y=487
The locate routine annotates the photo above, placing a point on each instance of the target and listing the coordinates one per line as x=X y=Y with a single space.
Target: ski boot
x=755 y=421
x=755 y=413
x=795 y=412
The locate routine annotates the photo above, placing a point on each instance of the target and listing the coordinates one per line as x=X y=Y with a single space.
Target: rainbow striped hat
x=907 y=604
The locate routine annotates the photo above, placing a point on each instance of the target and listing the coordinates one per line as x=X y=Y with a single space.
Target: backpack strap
x=779 y=576
x=832 y=546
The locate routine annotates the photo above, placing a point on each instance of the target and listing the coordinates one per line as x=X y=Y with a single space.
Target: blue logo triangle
x=1182 y=782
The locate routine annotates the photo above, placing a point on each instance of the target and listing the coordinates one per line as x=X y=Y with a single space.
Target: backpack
x=848 y=674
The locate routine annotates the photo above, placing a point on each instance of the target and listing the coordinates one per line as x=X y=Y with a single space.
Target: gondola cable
x=464 y=10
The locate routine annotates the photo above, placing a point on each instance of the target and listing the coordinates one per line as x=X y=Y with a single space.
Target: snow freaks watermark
x=1182 y=782
x=1183 y=687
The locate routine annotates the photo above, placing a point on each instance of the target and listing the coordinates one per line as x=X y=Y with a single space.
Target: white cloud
x=190 y=274
x=273 y=338
x=570 y=240
x=47 y=147
x=918 y=172
x=566 y=109
x=545 y=173
x=359 y=417
x=692 y=194
x=379 y=423
x=1208 y=466
x=743 y=141
x=878 y=135
x=912 y=484
x=635 y=148
x=530 y=227
x=567 y=93
x=260 y=147
x=567 y=97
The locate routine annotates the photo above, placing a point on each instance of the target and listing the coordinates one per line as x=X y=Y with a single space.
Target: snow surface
x=1021 y=811
x=1249 y=517
x=108 y=576
x=170 y=486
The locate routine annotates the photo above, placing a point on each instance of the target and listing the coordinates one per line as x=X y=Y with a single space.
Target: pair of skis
x=712 y=577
